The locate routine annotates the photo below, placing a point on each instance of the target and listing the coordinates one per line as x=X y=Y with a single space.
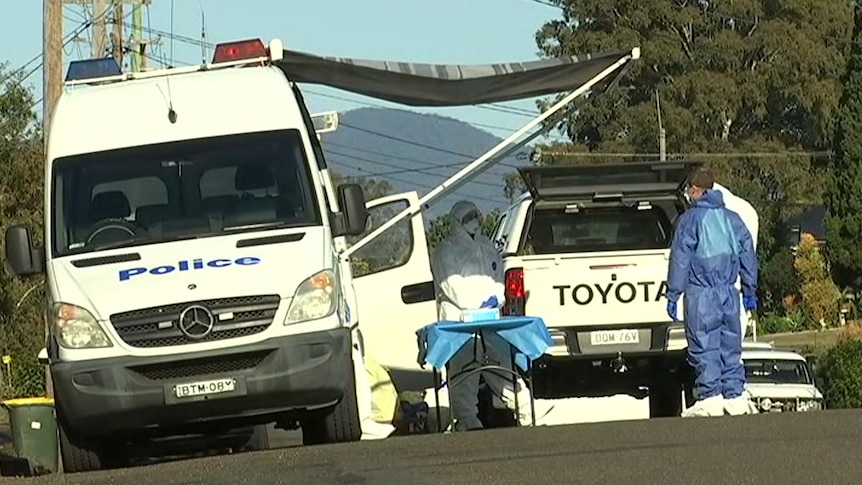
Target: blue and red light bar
x=239 y=50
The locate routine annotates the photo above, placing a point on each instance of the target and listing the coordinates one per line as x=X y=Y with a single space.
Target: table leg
x=514 y=363
x=528 y=381
x=437 y=398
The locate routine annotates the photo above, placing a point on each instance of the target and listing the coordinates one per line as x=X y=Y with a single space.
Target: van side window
x=391 y=249
x=497 y=235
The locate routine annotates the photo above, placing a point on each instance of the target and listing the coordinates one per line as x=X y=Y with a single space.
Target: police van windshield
x=185 y=189
x=776 y=371
x=619 y=228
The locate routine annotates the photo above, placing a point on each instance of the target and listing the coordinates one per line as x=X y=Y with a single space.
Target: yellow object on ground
x=27 y=401
x=384 y=396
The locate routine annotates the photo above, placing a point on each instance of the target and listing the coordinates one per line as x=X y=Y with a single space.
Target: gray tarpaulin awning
x=415 y=84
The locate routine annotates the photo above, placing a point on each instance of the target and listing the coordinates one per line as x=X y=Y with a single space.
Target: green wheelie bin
x=34 y=432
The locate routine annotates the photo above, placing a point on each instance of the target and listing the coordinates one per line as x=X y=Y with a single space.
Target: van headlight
x=315 y=298
x=77 y=328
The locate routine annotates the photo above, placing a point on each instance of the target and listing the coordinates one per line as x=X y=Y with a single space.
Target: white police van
x=191 y=254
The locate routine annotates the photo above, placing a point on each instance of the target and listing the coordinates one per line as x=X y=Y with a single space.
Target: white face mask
x=472 y=227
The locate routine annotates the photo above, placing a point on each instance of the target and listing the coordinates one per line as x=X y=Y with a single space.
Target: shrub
x=819 y=293
x=778 y=324
x=841 y=371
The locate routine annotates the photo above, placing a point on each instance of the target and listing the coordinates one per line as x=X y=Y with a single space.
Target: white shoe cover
x=739 y=406
x=711 y=406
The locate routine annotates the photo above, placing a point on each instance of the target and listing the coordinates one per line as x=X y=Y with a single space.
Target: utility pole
x=52 y=86
x=138 y=46
x=52 y=52
x=99 y=39
x=112 y=12
x=117 y=41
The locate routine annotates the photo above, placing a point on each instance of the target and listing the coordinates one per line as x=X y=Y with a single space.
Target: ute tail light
x=239 y=50
x=515 y=292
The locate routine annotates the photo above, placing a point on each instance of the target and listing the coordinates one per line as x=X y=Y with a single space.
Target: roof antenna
x=203 y=34
x=172 y=115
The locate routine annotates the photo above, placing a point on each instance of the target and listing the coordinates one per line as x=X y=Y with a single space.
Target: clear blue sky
x=455 y=31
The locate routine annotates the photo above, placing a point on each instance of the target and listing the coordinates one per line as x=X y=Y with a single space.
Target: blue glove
x=671 y=310
x=491 y=302
x=749 y=303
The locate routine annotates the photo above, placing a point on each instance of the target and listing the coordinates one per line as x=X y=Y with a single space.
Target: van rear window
x=554 y=231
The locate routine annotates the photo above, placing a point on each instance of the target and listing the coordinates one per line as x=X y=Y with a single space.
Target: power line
x=414 y=143
x=426 y=170
x=398 y=157
x=690 y=155
x=419 y=184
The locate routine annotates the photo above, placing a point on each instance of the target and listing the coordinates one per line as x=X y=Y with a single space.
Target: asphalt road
x=804 y=448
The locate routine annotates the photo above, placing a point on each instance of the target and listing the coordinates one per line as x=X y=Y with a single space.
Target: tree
x=21 y=174
x=726 y=71
x=442 y=225
x=749 y=76
x=819 y=293
x=843 y=194
x=373 y=188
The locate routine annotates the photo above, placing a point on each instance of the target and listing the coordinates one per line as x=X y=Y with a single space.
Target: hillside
x=417 y=152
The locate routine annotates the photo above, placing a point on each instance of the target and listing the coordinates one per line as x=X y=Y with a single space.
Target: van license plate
x=614 y=337
x=204 y=388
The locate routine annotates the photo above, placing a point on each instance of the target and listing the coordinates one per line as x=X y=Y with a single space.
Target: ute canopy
x=441 y=85
x=622 y=179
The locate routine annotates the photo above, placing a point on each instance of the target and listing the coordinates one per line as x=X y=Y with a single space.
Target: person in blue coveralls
x=711 y=248
x=468 y=275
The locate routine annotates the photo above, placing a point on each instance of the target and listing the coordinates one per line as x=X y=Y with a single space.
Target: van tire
x=75 y=456
x=339 y=424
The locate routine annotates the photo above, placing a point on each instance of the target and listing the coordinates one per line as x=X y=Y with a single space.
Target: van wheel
x=340 y=424
x=259 y=440
x=76 y=456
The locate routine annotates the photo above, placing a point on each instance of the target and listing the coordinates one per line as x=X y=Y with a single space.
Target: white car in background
x=779 y=380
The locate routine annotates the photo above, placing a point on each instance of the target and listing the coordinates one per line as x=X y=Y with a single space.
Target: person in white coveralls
x=468 y=275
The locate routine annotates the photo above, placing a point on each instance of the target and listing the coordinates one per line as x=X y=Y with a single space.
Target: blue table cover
x=438 y=342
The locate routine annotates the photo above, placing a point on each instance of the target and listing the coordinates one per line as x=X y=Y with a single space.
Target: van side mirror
x=22 y=257
x=352 y=219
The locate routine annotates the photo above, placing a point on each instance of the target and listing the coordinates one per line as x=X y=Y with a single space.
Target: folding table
x=528 y=338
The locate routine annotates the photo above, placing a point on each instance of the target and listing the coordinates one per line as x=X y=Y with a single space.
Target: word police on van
x=184 y=265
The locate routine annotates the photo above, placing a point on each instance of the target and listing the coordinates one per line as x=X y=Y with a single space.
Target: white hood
x=783 y=391
x=196 y=269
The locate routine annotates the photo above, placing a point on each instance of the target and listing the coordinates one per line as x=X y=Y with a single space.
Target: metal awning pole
x=464 y=175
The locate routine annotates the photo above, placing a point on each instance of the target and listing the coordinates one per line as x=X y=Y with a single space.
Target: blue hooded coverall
x=711 y=247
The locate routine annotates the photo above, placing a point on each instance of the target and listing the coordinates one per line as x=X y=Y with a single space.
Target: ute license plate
x=204 y=388
x=614 y=337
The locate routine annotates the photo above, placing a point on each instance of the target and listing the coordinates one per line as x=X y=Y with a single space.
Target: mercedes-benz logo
x=196 y=322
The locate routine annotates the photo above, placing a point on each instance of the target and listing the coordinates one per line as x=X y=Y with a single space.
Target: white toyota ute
x=586 y=249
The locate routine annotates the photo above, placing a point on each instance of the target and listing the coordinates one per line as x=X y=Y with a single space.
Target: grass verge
x=813 y=341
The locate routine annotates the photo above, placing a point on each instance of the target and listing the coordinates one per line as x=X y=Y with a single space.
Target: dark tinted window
x=598 y=229
x=192 y=188
x=777 y=371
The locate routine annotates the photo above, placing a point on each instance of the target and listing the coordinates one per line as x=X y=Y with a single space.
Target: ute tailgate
x=599 y=289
